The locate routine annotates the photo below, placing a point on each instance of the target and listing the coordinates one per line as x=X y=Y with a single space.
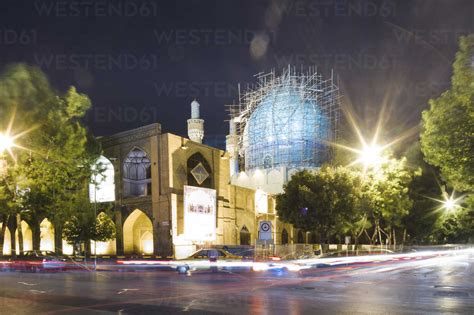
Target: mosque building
x=172 y=194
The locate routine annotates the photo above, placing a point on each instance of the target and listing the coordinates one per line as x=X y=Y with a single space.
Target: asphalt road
x=437 y=285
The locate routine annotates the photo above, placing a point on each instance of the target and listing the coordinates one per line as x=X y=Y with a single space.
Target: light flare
x=8 y=138
x=450 y=203
x=372 y=154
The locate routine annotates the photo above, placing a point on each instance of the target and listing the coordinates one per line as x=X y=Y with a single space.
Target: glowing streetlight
x=6 y=142
x=450 y=203
x=8 y=137
x=372 y=153
x=371 y=156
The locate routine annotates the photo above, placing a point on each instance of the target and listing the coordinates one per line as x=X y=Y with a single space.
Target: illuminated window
x=267 y=162
x=102 y=186
x=137 y=174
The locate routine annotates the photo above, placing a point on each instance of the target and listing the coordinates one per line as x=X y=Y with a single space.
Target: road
x=435 y=285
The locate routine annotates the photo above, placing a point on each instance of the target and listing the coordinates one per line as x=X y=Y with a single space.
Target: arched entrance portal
x=27 y=237
x=300 y=237
x=7 y=241
x=244 y=236
x=68 y=249
x=107 y=247
x=46 y=235
x=284 y=237
x=138 y=234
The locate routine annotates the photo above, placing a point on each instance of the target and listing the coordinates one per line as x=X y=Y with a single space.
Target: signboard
x=102 y=188
x=261 y=201
x=199 y=213
x=265 y=230
x=347 y=240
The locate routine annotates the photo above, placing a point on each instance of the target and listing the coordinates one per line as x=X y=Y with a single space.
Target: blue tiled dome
x=286 y=130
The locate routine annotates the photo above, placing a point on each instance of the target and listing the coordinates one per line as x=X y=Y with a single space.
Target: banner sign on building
x=199 y=213
x=102 y=188
x=261 y=201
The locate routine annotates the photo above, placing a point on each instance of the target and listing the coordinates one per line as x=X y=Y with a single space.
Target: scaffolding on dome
x=287 y=120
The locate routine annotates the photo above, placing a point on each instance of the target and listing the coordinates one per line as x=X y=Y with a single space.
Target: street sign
x=265 y=230
x=348 y=240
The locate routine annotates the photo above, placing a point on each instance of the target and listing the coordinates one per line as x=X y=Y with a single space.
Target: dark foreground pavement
x=436 y=285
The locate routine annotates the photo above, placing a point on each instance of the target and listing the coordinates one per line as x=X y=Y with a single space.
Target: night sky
x=144 y=61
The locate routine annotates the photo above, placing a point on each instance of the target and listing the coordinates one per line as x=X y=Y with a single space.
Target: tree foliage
x=457 y=225
x=337 y=201
x=386 y=191
x=424 y=190
x=48 y=176
x=85 y=226
x=447 y=137
x=323 y=201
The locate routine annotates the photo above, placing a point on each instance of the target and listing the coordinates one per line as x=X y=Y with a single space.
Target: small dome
x=194 y=103
x=195 y=109
x=286 y=130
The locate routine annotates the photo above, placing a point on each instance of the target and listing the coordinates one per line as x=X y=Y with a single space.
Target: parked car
x=213 y=254
x=362 y=252
x=37 y=260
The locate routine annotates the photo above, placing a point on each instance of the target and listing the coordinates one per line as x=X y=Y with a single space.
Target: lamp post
x=450 y=203
x=95 y=217
x=371 y=156
x=6 y=142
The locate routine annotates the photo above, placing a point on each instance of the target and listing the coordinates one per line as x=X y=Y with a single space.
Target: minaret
x=195 y=124
x=232 y=146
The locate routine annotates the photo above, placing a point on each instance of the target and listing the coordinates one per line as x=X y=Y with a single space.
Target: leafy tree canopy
x=322 y=201
x=47 y=176
x=447 y=137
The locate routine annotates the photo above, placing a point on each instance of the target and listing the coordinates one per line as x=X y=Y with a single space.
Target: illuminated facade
x=170 y=194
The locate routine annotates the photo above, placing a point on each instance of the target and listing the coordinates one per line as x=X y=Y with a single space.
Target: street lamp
x=6 y=142
x=450 y=203
x=371 y=156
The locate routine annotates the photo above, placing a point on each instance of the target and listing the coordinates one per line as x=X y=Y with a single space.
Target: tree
x=385 y=190
x=424 y=190
x=55 y=166
x=323 y=201
x=448 y=126
x=83 y=226
x=456 y=225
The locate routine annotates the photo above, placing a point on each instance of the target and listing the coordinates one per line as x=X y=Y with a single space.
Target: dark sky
x=145 y=61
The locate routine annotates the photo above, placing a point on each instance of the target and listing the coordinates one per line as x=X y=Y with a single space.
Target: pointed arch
x=102 y=187
x=138 y=234
x=68 y=249
x=7 y=241
x=27 y=237
x=245 y=236
x=47 y=235
x=311 y=238
x=106 y=247
x=300 y=237
x=136 y=174
x=284 y=237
